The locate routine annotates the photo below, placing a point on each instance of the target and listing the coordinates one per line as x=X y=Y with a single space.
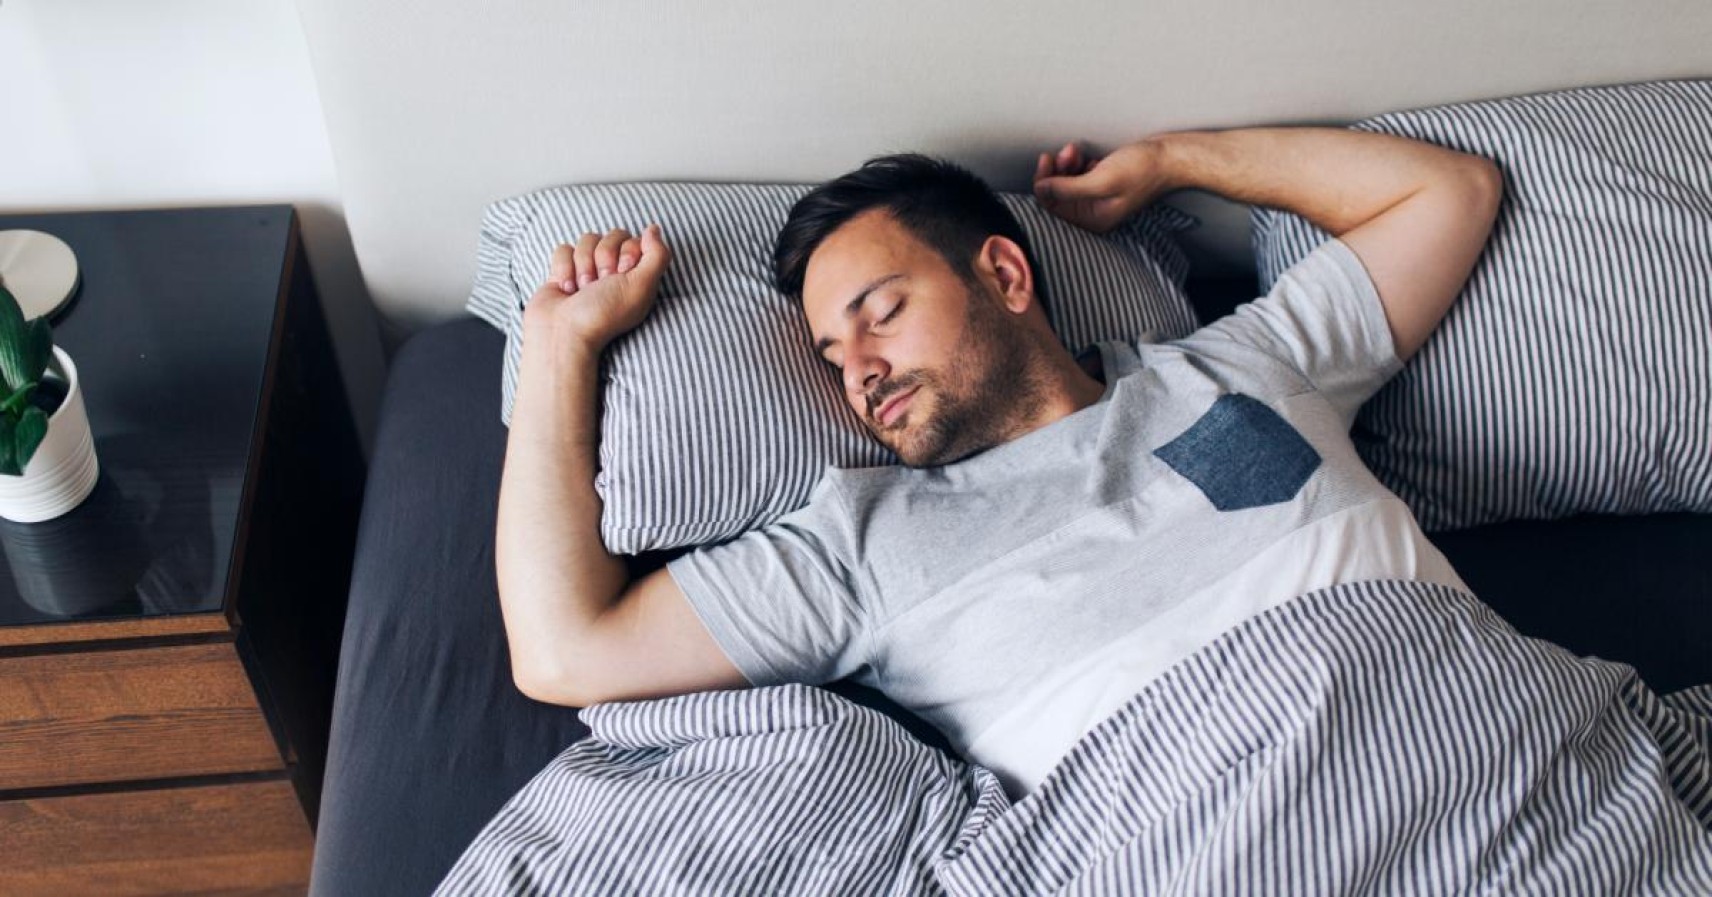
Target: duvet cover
x=1386 y=737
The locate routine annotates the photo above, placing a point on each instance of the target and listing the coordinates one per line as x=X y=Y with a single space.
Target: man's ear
x=1001 y=259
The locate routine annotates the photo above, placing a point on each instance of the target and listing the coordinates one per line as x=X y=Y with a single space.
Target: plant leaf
x=16 y=400
x=14 y=342
x=32 y=428
x=40 y=350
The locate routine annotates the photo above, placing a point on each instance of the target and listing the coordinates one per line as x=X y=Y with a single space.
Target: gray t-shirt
x=968 y=590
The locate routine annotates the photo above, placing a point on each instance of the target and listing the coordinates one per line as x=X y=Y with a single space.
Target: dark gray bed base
x=429 y=736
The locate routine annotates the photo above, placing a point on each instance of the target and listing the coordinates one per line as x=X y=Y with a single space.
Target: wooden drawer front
x=248 y=838
x=151 y=713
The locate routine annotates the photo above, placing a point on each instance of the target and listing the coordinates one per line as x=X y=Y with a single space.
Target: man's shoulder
x=829 y=515
x=1213 y=355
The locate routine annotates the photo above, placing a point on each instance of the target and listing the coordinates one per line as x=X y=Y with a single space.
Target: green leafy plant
x=25 y=349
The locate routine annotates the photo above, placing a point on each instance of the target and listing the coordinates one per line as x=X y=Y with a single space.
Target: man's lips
x=894 y=406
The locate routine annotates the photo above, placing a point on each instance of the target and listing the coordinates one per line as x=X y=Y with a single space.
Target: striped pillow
x=718 y=416
x=1574 y=374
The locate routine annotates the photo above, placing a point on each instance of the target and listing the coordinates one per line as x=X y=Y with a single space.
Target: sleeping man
x=1063 y=528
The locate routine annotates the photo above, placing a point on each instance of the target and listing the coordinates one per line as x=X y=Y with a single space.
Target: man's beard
x=981 y=397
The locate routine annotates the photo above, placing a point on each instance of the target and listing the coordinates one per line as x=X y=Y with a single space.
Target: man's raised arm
x=1417 y=215
x=579 y=631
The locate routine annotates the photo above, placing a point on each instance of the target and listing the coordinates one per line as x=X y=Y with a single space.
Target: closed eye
x=896 y=310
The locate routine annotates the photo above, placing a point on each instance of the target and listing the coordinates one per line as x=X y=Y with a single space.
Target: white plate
x=39 y=269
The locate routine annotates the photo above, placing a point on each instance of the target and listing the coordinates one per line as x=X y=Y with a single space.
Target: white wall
x=436 y=108
x=116 y=104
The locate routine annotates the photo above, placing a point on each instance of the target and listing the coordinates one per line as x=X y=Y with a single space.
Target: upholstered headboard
x=436 y=109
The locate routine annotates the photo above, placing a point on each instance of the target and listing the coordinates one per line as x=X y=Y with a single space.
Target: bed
x=430 y=736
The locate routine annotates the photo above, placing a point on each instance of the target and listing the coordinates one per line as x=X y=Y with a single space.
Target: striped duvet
x=1386 y=737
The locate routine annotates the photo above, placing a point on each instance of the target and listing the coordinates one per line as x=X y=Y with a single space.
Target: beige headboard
x=435 y=109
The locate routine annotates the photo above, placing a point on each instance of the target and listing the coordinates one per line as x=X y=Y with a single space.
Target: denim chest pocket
x=1242 y=454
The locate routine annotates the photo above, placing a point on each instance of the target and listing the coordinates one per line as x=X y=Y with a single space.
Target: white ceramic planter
x=63 y=470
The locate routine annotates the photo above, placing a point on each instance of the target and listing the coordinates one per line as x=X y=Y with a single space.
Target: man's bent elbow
x=1475 y=190
x=550 y=685
x=1487 y=182
x=558 y=677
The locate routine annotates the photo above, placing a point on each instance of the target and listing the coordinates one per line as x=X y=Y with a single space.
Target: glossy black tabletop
x=170 y=330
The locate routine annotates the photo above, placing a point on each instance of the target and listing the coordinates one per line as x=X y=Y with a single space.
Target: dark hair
x=941 y=203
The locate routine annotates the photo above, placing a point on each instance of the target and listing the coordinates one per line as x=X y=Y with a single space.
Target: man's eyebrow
x=855 y=305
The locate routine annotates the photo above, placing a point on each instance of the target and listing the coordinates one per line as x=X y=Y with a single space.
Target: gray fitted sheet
x=430 y=737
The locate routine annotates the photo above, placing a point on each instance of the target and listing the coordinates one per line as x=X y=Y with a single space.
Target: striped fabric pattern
x=1385 y=737
x=1574 y=374
x=719 y=418
x=781 y=790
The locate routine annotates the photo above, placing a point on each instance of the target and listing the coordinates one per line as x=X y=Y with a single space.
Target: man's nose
x=864 y=372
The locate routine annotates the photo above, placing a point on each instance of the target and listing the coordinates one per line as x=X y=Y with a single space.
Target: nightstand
x=168 y=649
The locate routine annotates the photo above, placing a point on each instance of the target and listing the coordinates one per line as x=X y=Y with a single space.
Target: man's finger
x=1055 y=190
x=1062 y=189
x=1043 y=167
x=606 y=251
x=584 y=256
x=655 y=254
x=1067 y=159
x=628 y=253
x=562 y=269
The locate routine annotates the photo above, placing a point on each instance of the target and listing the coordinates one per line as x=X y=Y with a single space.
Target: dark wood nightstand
x=168 y=649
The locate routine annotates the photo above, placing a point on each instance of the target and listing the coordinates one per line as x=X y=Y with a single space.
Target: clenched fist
x=601 y=288
x=1098 y=194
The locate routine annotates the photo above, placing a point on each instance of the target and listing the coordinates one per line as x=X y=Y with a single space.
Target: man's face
x=935 y=366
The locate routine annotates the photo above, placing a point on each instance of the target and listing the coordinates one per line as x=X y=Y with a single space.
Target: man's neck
x=1072 y=383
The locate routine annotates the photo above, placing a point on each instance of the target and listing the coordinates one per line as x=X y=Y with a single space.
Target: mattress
x=430 y=737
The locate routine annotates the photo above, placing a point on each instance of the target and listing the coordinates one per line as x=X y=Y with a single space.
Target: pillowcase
x=717 y=415
x=1574 y=373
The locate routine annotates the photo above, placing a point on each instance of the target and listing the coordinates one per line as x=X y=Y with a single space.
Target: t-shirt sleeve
x=781 y=601
x=1323 y=318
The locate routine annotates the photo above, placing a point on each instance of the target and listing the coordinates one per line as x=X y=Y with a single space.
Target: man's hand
x=1098 y=194
x=600 y=288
